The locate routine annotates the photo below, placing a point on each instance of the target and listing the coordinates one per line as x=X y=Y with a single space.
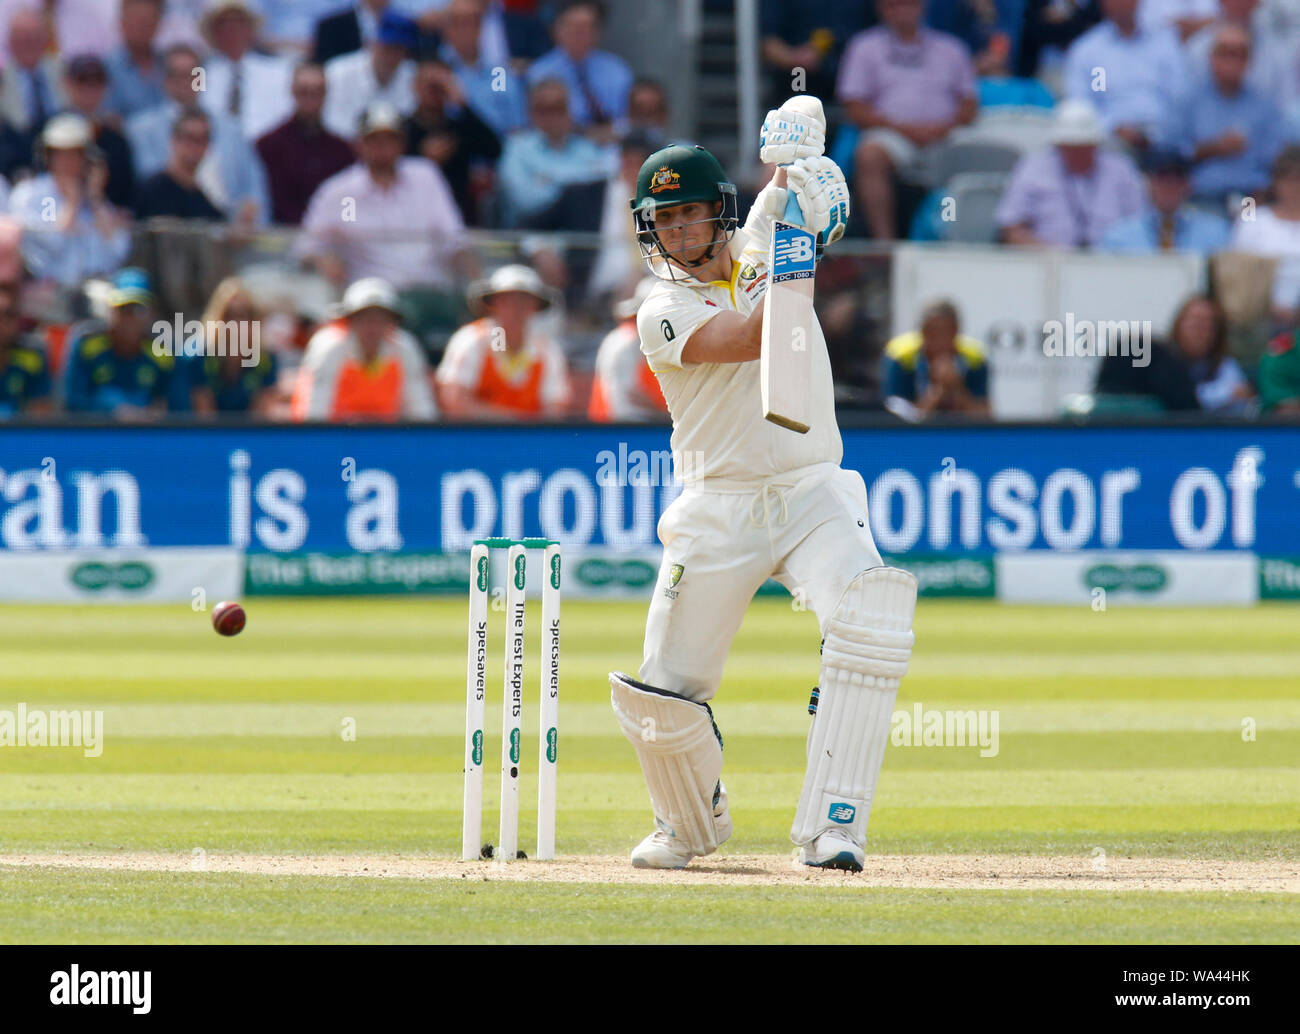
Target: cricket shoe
x=833 y=850
x=662 y=850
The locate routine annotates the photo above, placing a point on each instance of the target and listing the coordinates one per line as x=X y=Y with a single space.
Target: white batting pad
x=864 y=657
x=680 y=754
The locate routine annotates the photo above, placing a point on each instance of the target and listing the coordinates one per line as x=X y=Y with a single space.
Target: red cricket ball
x=228 y=618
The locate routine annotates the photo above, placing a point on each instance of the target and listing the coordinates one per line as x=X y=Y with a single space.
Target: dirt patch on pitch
x=928 y=872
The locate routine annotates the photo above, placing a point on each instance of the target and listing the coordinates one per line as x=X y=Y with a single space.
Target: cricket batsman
x=758 y=501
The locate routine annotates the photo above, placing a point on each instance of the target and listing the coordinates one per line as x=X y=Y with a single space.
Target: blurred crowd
x=152 y=150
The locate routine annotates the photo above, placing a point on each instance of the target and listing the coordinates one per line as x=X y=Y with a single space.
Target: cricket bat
x=785 y=362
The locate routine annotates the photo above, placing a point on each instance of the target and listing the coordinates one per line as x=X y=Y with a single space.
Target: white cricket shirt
x=719 y=433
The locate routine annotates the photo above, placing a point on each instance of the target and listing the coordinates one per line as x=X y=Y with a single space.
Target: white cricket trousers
x=807 y=528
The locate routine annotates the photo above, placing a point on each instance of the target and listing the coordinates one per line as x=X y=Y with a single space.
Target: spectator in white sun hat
x=1069 y=195
x=504 y=365
x=252 y=89
x=88 y=236
x=363 y=365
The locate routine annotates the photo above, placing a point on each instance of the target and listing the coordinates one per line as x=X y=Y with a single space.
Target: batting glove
x=823 y=196
x=788 y=136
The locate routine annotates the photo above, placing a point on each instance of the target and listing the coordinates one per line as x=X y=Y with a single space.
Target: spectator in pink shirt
x=1068 y=195
x=906 y=87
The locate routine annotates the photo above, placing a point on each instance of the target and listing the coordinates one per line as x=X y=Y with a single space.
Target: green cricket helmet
x=682 y=174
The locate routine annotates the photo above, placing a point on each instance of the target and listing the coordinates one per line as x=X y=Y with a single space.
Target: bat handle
x=793 y=214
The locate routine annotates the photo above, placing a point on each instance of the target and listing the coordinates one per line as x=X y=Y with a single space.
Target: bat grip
x=793 y=214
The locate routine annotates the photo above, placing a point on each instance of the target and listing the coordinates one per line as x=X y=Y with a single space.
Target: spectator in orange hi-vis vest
x=363 y=365
x=503 y=366
x=625 y=388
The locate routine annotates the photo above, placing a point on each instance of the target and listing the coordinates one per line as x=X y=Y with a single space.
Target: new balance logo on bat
x=793 y=253
x=794 y=250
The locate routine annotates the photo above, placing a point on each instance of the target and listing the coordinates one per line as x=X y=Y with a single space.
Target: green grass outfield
x=1119 y=732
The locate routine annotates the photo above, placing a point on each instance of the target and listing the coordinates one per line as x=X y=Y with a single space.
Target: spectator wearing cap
x=444 y=129
x=302 y=154
x=502 y=366
x=1232 y=131
x=85 y=84
x=135 y=69
x=491 y=87
x=349 y=29
x=117 y=368
x=24 y=367
x=363 y=365
x=1167 y=222
x=250 y=88
x=906 y=87
x=1068 y=195
x=228 y=382
x=624 y=388
x=388 y=215
x=383 y=71
x=1274 y=230
x=87 y=236
x=597 y=81
x=539 y=162
x=174 y=191
x=231 y=174
x=29 y=79
x=1144 y=73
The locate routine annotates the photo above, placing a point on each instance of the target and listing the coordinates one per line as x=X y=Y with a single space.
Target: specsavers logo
x=1140 y=578
x=132 y=576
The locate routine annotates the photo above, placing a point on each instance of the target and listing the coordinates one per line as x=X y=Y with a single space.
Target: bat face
x=787 y=328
